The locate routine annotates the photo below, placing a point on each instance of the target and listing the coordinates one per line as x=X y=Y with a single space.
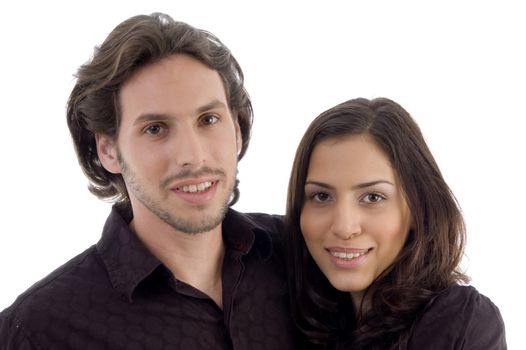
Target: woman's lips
x=348 y=257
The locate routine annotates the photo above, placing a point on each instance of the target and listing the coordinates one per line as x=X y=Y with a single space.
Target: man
x=159 y=118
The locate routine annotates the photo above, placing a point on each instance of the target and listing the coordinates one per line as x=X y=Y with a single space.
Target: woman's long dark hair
x=429 y=261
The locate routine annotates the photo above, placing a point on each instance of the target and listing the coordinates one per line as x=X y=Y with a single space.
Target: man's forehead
x=177 y=84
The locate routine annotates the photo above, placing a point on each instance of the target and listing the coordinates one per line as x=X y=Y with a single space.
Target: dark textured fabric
x=116 y=295
x=460 y=318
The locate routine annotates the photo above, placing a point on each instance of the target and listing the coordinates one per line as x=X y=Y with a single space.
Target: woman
x=376 y=239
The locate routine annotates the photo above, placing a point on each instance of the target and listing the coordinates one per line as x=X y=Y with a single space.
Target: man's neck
x=196 y=259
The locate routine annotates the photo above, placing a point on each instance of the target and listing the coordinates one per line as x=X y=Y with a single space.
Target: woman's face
x=354 y=219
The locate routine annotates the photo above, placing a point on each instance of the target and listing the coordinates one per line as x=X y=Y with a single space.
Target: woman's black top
x=459 y=318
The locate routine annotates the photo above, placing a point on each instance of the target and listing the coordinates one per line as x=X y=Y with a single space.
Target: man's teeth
x=197 y=188
x=343 y=255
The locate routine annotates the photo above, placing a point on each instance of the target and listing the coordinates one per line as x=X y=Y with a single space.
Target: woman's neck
x=360 y=304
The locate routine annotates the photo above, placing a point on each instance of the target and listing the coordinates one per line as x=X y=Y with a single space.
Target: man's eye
x=209 y=119
x=154 y=129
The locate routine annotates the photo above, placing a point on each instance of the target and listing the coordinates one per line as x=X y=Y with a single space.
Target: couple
x=372 y=235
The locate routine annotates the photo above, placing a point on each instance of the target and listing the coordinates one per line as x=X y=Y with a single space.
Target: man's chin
x=190 y=227
x=195 y=223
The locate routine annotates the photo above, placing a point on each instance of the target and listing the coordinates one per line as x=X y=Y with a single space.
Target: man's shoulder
x=268 y=225
x=57 y=288
x=269 y=222
x=267 y=230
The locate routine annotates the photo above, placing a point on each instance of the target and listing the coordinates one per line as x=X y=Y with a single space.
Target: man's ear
x=239 y=138
x=107 y=152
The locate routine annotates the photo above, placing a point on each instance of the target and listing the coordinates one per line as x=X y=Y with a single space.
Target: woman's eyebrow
x=318 y=183
x=357 y=186
x=372 y=183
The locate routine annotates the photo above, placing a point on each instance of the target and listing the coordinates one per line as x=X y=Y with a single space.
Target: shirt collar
x=128 y=262
x=248 y=232
x=126 y=258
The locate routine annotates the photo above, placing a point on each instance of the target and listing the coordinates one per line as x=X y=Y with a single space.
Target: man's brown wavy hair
x=429 y=261
x=93 y=105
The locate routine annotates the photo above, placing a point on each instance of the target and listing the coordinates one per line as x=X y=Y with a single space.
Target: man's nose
x=189 y=147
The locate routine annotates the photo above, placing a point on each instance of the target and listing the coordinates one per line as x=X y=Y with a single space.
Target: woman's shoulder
x=464 y=299
x=459 y=318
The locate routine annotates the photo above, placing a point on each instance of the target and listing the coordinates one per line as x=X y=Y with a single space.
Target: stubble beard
x=179 y=223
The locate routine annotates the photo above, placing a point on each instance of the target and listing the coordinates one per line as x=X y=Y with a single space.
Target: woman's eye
x=320 y=197
x=373 y=198
x=209 y=119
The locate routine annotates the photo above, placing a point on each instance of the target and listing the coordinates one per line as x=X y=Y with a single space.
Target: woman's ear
x=108 y=154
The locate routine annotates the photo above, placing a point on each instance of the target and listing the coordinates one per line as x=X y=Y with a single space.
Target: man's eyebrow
x=357 y=186
x=147 y=117
x=211 y=105
x=160 y=116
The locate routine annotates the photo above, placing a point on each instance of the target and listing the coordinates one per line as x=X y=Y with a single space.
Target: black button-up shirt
x=117 y=295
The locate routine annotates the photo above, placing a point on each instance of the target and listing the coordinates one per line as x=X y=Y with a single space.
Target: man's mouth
x=195 y=188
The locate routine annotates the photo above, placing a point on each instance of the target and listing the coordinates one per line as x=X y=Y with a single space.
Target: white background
x=459 y=67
